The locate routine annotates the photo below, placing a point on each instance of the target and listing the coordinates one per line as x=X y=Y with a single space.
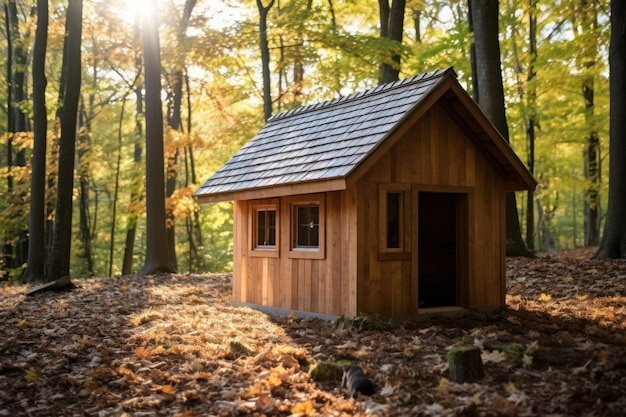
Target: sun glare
x=131 y=12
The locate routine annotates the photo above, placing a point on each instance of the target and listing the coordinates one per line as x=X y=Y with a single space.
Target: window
x=307 y=225
x=394 y=205
x=307 y=221
x=264 y=228
x=394 y=215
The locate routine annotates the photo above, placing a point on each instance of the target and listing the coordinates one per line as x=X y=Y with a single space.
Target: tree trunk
x=391 y=27
x=158 y=258
x=613 y=243
x=489 y=93
x=135 y=189
x=417 y=16
x=84 y=145
x=265 y=57
x=592 y=146
x=59 y=254
x=35 y=268
x=16 y=248
x=531 y=121
x=592 y=193
x=174 y=121
x=118 y=167
x=198 y=263
x=546 y=242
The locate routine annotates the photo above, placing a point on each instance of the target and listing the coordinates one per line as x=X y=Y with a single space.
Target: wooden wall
x=325 y=286
x=434 y=155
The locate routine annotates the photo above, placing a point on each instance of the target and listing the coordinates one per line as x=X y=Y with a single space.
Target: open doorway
x=438 y=254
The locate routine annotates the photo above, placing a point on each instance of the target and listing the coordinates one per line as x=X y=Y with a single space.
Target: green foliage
x=217 y=220
x=318 y=50
x=564 y=48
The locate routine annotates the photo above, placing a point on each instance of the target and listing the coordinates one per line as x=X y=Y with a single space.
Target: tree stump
x=465 y=364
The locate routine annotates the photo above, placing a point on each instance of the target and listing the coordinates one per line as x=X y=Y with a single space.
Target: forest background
x=555 y=75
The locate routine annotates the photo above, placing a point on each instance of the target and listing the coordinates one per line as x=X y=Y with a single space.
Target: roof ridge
x=369 y=92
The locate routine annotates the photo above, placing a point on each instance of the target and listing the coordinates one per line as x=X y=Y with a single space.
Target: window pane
x=394 y=203
x=271 y=229
x=307 y=229
x=260 y=231
x=266 y=228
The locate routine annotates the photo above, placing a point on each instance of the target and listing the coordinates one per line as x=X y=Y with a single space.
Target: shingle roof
x=322 y=141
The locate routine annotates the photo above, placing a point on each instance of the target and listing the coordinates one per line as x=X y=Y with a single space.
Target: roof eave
x=517 y=177
x=309 y=187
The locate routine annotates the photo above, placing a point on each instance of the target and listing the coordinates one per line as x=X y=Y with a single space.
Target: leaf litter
x=173 y=345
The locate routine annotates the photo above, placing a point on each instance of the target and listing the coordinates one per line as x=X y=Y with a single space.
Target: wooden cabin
x=389 y=201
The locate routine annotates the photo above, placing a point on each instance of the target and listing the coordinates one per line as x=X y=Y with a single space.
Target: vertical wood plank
x=405 y=291
x=315 y=281
x=332 y=271
x=433 y=135
x=445 y=163
x=293 y=297
x=350 y=257
x=471 y=246
x=275 y=288
x=426 y=156
x=265 y=277
x=415 y=245
x=381 y=281
x=470 y=166
x=305 y=294
x=395 y=287
x=286 y=268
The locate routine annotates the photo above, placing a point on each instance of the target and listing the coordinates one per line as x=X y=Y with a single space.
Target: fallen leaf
x=32 y=376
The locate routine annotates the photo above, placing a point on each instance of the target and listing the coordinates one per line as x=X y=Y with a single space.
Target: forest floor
x=173 y=345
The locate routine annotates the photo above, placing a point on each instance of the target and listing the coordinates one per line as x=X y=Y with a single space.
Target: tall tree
x=265 y=57
x=16 y=247
x=613 y=243
x=59 y=252
x=588 y=28
x=531 y=119
x=489 y=93
x=391 y=27
x=174 y=120
x=84 y=176
x=136 y=186
x=158 y=258
x=35 y=267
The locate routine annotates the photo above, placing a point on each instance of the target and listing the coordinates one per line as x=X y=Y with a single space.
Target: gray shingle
x=324 y=140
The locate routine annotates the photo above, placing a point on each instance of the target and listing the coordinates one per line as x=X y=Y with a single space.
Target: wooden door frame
x=464 y=214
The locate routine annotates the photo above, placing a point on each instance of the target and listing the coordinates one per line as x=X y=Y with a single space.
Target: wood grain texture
x=354 y=273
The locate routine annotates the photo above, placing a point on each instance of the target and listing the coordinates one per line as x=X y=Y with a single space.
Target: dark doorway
x=438 y=249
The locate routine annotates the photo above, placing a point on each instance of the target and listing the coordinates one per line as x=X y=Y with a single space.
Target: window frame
x=306 y=252
x=403 y=251
x=272 y=251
